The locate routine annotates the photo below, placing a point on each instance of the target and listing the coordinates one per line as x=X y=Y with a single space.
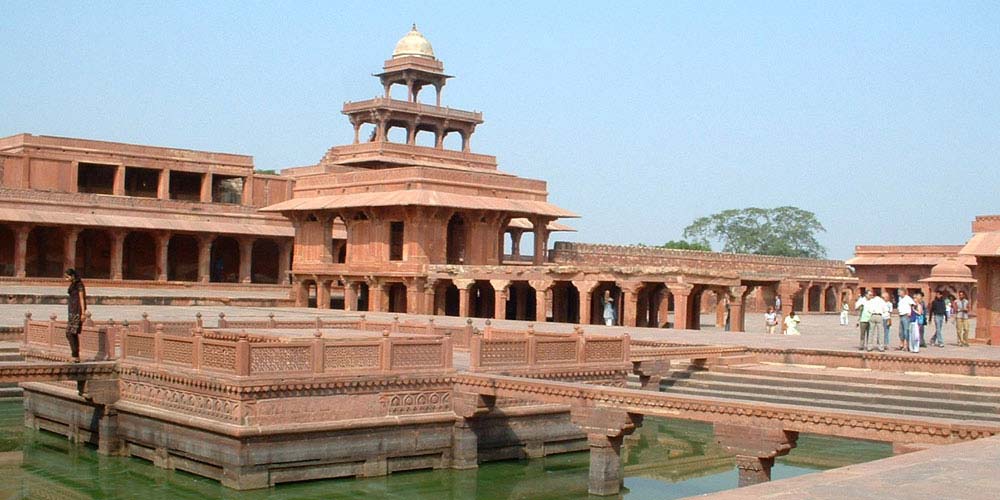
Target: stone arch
x=452 y=140
x=225 y=260
x=446 y=299
x=139 y=256
x=521 y=301
x=482 y=298
x=830 y=299
x=815 y=297
x=425 y=137
x=565 y=302
x=396 y=295
x=597 y=306
x=695 y=301
x=264 y=257
x=182 y=258
x=310 y=292
x=93 y=254
x=45 y=253
x=798 y=300
x=8 y=241
x=457 y=239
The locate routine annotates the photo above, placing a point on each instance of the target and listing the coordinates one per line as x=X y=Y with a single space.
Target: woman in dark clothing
x=77 y=303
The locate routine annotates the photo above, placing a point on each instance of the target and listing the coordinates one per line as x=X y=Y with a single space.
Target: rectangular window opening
x=142 y=182
x=96 y=178
x=396 y=241
x=185 y=186
x=227 y=189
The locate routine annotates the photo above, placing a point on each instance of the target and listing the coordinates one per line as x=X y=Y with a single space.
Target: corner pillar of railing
x=199 y=336
x=363 y=323
x=395 y=324
x=318 y=360
x=243 y=354
x=488 y=330
x=271 y=323
x=52 y=330
x=319 y=324
x=449 y=351
x=147 y=326
x=475 y=350
x=430 y=328
x=385 y=361
x=158 y=344
x=124 y=330
x=88 y=319
x=581 y=347
x=532 y=345
x=113 y=333
x=222 y=320
x=468 y=329
x=197 y=320
x=27 y=320
x=626 y=347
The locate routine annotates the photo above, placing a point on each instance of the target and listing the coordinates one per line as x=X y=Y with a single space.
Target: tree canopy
x=687 y=245
x=784 y=231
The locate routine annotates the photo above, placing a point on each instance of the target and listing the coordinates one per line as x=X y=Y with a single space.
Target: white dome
x=413 y=44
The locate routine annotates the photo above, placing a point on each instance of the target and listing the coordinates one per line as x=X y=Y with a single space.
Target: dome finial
x=414 y=27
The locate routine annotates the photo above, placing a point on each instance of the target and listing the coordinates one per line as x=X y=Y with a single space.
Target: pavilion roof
x=522 y=223
x=903 y=260
x=986 y=244
x=420 y=197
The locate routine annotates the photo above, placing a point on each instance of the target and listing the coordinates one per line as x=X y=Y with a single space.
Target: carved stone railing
x=47 y=340
x=528 y=350
x=247 y=355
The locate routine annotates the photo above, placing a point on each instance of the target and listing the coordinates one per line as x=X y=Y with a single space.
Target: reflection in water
x=664 y=459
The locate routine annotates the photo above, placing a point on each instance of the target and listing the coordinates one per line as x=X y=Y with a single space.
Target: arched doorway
x=264 y=262
x=565 y=302
x=597 y=302
x=446 y=299
x=45 y=253
x=455 y=245
x=225 y=260
x=93 y=254
x=7 y=243
x=521 y=301
x=830 y=299
x=396 y=294
x=139 y=257
x=182 y=258
x=481 y=299
x=648 y=304
x=815 y=297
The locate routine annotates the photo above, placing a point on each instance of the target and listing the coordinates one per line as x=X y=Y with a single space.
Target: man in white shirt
x=859 y=306
x=905 y=306
x=874 y=308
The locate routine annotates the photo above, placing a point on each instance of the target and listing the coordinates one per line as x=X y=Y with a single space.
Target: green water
x=664 y=459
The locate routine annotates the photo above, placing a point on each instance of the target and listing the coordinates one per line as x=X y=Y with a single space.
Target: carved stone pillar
x=163 y=186
x=350 y=296
x=541 y=240
x=206 y=188
x=205 y=258
x=463 y=296
x=822 y=297
x=737 y=307
x=376 y=297
x=322 y=293
x=118 y=188
x=70 y=235
x=21 y=250
x=586 y=290
x=117 y=253
x=500 y=295
x=285 y=261
x=300 y=294
x=541 y=289
x=755 y=449
x=605 y=428
x=787 y=290
x=681 y=293
x=246 y=256
x=630 y=304
x=663 y=310
x=162 y=251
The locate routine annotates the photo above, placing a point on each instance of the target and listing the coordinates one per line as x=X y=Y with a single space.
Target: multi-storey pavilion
x=123 y=213
x=426 y=229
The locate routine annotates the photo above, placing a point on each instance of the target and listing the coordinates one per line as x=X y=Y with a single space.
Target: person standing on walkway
x=939 y=313
x=609 y=308
x=916 y=318
x=919 y=299
x=962 y=319
x=886 y=319
x=905 y=306
x=770 y=320
x=792 y=324
x=863 y=319
x=845 y=313
x=77 y=307
x=874 y=307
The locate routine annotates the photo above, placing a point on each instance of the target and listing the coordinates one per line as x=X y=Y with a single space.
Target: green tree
x=785 y=231
x=687 y=245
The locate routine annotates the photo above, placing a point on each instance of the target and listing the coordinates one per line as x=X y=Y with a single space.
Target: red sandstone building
x=406 y=218
x=923 y=268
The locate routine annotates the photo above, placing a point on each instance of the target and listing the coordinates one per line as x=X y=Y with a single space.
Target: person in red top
x=77 y=307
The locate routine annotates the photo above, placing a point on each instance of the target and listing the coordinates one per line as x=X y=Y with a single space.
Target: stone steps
x=941 y=382
x=858 y=392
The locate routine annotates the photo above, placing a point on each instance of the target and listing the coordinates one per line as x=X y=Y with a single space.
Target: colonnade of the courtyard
x=41 y=251
x=636 y=303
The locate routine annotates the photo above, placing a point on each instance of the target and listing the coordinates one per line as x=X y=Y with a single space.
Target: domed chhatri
x=413 y=44
x=951 y=270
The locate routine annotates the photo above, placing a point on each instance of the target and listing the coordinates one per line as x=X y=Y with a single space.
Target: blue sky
x=882 y=118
